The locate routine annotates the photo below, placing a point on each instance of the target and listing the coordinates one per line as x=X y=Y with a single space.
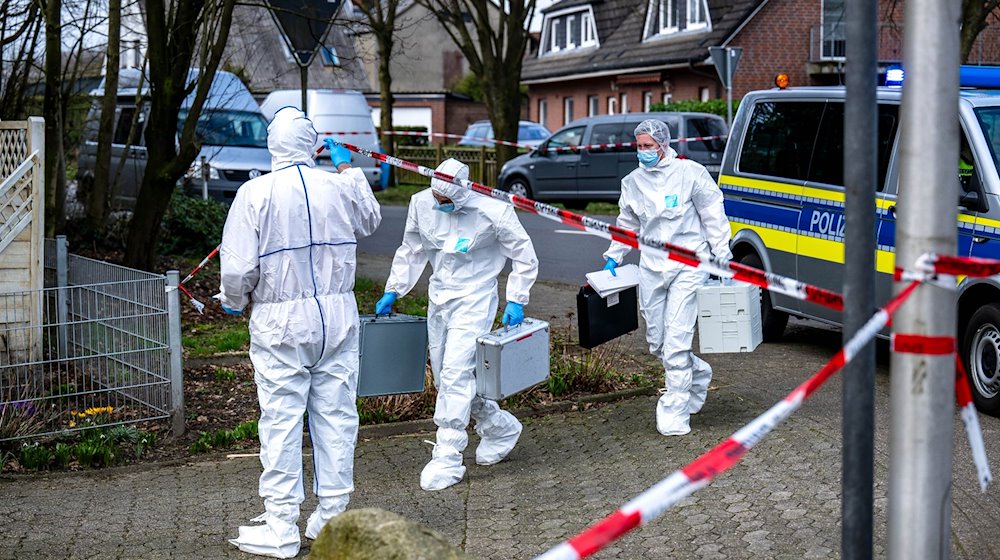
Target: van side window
x=828 y=157
x=612 y=133
x=779 y=139
x=706 y=127
x=124 y=125
x=568 y=137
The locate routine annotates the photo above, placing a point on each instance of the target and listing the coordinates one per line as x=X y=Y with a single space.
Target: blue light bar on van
x=987 y=77
x=894 y=76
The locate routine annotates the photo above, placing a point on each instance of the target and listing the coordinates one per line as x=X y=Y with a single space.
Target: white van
x=340 y=111
x=231 y=129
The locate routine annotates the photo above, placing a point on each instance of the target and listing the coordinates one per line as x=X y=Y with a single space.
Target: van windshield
x=229 y=128
x=989 y=120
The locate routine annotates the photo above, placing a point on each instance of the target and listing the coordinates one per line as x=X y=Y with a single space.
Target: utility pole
x=860 y=175
x=922 y=386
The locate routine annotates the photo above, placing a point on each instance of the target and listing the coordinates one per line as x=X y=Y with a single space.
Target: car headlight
x=194 y=172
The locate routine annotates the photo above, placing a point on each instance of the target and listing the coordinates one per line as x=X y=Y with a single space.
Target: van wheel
x=981 y=356
x=772 y=321
x=519 y=186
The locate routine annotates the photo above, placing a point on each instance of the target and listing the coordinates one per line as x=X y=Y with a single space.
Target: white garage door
x=406 y=116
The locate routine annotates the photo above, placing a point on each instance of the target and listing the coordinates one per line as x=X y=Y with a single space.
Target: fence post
x=62 y=297
x=176 y=362
x=438 y=155
x=482 y=164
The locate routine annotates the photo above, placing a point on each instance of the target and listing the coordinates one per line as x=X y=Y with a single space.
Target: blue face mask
x=648 y=157
x=447 y=207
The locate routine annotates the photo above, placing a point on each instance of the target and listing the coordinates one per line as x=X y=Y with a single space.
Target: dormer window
x=669 y=17
x=568 y=30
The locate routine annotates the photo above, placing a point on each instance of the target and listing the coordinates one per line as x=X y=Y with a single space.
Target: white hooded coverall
x=675 y=201
x=289 y=246
x=467 y=249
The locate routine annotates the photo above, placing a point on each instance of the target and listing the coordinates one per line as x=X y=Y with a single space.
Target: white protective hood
x=290 y=139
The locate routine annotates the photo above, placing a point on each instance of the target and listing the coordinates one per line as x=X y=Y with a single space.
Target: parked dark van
x=577 y=177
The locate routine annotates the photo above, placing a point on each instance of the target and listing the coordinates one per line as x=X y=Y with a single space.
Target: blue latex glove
x=384 y=304
x=513 y=314
x=232 y=311
x=338 y=153
x=611 y=265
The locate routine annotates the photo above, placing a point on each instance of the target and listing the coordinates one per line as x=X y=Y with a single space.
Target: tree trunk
x=974 y=13
x=55 y=165
x=385 y=41
x=97 y=202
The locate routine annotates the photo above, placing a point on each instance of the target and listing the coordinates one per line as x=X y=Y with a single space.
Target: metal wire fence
x=108 y=336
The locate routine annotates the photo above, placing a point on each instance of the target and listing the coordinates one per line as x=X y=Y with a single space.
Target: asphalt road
x=565 y=254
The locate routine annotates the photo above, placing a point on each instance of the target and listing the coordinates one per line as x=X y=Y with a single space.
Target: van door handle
x=892 y=209
x=584 y=165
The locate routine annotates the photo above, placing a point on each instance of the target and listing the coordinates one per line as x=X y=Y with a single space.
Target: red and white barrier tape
x=699 y=473
x=933 y=263
x=963 y=393
x=720 y=267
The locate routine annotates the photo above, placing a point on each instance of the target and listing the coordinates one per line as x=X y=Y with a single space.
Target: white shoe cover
x=497 y=439
x=276 y=539
x=327 y=509
x=670 y=421
x=444 y=470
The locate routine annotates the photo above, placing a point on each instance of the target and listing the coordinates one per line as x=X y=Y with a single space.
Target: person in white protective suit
x=467 y=240
x=675 y=201
x=289 y=247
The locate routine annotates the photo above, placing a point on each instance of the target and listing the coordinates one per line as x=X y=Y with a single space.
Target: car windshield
x=532 y=132
x=989 y=121
x=229 y=128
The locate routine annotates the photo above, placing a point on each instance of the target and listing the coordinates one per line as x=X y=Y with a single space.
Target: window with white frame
x=612 y=105
x=568 y=30
x=647 y=100
x=543 y=111
x=833 y=30
x=567 y=110
x=697 y=15
x=703 y=94
x=624 y=103
x=667 y=17
x=593 y=105
x=667 y=97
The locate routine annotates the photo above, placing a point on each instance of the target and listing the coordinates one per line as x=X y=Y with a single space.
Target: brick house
x=597 y=57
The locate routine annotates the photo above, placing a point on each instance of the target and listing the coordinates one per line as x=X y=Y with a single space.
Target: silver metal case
x=393 y=356
x=511 y=360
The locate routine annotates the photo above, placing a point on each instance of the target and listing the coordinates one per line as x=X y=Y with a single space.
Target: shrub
x=714 y=106
x=35 y=457
x=192 y=227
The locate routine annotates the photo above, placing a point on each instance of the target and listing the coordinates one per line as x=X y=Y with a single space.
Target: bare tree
x=380 y=16
x=493 y=36
x=52 y=110
x=974 y=15
x=98 y=192
x=181 y=33
x=20 y=30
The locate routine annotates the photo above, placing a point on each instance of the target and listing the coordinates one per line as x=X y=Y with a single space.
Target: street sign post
x=304 y=25
x=726 y=59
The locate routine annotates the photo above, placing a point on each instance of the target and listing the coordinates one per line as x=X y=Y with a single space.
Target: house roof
x=620 y=29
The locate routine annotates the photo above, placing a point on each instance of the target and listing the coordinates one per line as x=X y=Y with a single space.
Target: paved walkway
x=569 y=469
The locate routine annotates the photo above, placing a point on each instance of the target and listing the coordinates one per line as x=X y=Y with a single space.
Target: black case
x=599 y=322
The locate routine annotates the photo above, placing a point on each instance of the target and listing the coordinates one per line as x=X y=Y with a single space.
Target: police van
x=782 y=177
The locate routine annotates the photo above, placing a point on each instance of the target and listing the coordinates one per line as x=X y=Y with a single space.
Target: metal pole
x=860 y=175
x=62 y=298
x=304 y=73
x=176 y=363
x=922 y=386
x=204 y=178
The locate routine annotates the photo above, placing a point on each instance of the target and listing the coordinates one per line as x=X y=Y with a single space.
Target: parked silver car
x=577 y=177
x=480 y=133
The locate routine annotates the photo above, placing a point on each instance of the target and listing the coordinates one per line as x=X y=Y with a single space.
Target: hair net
x=657 y=129
x=290 y=138
x=458 y=194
